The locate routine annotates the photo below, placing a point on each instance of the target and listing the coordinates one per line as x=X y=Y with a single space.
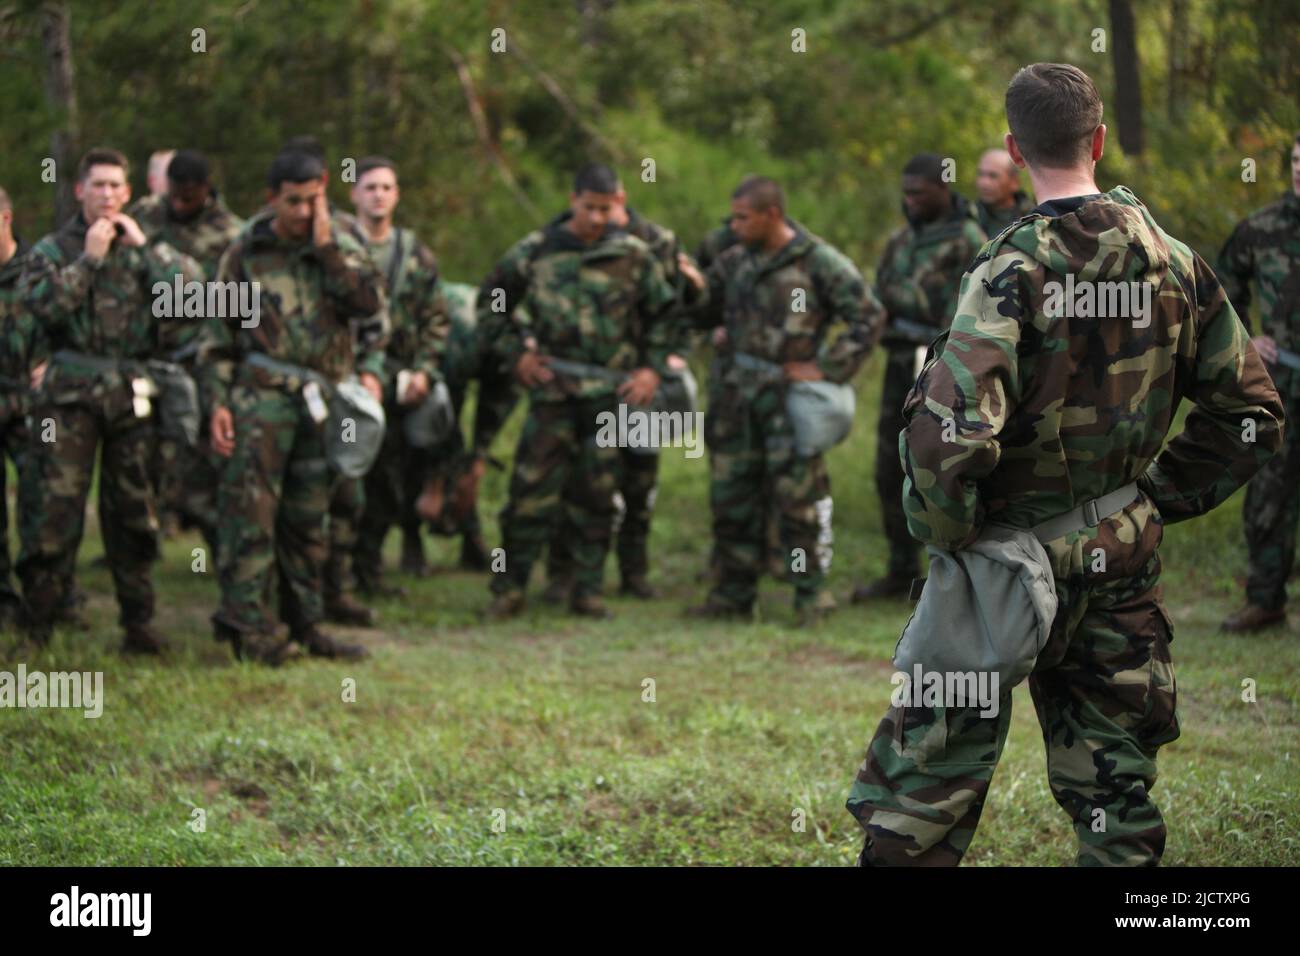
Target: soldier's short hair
x=5 y=204
x=306 y=143
x=101 y=156
x=595 y=178
x=1053 y=110
x=371 y=163
x=761 y=192
x=292 y=166
x=189 y=167
x=928 y=166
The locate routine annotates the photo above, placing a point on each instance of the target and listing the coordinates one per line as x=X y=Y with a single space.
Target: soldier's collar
x=1055 y=208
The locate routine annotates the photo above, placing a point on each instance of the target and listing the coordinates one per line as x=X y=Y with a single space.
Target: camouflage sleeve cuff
x=837 y=371
x=374 y=363
x=331 y=257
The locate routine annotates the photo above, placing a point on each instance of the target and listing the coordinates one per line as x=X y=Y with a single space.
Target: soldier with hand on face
x=271 y=387
x=89 y=287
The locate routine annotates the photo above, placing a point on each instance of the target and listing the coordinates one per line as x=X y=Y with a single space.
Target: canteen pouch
x=986 y=608
x=354 y=432
x=821 y=414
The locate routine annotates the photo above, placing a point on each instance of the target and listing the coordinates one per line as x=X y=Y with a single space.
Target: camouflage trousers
x=557 y=451
x=13 y=447
x=1105 y=695
x=1269 y=517
x=900 y=375
x=753 y=470
x=390 y=490
x=274 y=497
x=634 y=501
x=193 y=489
x=346 y=512
x=54 y=484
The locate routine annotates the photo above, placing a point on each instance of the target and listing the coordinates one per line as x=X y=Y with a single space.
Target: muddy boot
x=413 y=562
x=169 y=525
x=506 y=605
x=141 y=638
x=592 y=606
x=377 y=587
x=638 y=587
x=473 y=552
x=320 y=644
x=35 y=629
x=558 y=589
x=813 y=613
x=345 y=609
x=890 y=586
x=1252 y=618
x=715 y=609
x=268 y=649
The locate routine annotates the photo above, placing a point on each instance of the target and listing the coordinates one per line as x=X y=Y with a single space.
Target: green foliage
x=710 y=90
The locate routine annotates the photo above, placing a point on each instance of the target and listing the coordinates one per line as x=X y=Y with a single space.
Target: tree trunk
x=1179 y=43
x=60 y=90
x=1128 y=80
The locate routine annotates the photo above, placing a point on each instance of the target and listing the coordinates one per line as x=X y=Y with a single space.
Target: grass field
x=530 y=743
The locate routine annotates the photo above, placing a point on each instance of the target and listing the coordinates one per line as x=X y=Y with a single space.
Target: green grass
x=543 y=718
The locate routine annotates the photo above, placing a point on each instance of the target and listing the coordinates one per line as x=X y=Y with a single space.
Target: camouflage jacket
x=993 y=221
x=307 y=297
x=1265 y=249
x=105 y=310
x=204 y=238
x=16 y=330
x=462 y=344
x=607 y=303
x=781 y=307
x=418 y=319
x=1023 y=412
x=715 y=244
x=663 y=243
x=722 y=238
x=921 y=268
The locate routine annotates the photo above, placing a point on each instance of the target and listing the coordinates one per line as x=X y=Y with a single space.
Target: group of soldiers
x=993 y=408
x=596 y=308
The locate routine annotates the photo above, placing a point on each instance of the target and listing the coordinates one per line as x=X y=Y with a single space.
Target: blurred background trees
x=707 y=89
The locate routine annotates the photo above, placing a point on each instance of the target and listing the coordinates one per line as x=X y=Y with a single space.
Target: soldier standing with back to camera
x=1031 y=416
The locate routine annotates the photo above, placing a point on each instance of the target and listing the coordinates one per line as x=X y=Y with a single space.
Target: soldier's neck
x=8 y=246
x=779 y=239
x=377 y=230
x=1052 y=184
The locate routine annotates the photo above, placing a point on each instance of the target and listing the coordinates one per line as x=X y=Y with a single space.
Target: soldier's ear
x=1010 y=142
x=1098 y=142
